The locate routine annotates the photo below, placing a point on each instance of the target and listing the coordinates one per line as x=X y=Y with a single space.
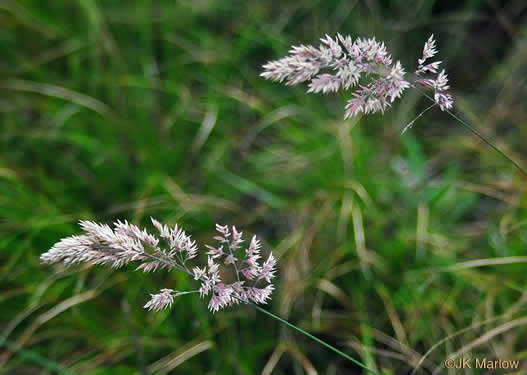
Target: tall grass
x=114 y=110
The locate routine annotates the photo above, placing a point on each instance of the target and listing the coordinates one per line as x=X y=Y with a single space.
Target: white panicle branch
x=126 y=243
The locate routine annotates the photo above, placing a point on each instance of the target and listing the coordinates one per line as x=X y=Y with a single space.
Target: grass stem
x=467 y=126
x=339 y=352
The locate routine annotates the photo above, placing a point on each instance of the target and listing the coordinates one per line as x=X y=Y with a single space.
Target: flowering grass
x=126 y=243
x=351 y=60
x=394 y=249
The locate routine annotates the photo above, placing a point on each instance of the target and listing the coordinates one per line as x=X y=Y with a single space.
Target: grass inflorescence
x=390 y=246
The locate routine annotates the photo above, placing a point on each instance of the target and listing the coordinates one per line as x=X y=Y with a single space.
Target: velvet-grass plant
x=363 y=63
x=365 y=66
x=173 y=249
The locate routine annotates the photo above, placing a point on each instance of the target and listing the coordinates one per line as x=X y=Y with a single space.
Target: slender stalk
x=411 y=123
x=168 y=263
x=339 y=352
x=479 y=135
x=234 y=263
x=186 y=292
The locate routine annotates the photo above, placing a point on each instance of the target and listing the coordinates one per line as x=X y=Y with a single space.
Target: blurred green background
x=130 y=109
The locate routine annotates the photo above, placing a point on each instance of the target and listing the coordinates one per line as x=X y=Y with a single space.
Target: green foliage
x=134 y=109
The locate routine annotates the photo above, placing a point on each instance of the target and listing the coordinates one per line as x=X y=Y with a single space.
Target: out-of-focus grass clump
x=115 y=109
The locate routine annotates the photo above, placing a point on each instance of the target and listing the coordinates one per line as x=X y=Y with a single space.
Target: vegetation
x=390 y=245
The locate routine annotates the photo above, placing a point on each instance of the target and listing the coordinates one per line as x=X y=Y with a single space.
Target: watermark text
x=484 y=363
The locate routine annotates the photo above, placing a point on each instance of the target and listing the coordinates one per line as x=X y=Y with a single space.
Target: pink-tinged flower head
x=214 y=252
x=444 y=101
x=255 y=245
x=172 y=249
x=440 y=82
x=429 y=50
x=215 y=303
x=340 y=63
x=237 y=238
x=325 y=83
x=245 y=264
x=222 y=297
x=199 y=273
x=178 y=241
x=395 y=83
x=268 y=269
x=250 y=273
x=230 y=259
x=160 y=301
x=260 y=295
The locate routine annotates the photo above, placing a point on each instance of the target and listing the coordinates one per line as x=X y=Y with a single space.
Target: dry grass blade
x=360 y=241
x=394 y=317
x=303 y=360
x=362 y=349
x=190 y=202
x=486 y=338
x=361 y=192
x=345 y=213
x=58 y=92
x=489 y=192
x=411 y=354
x=35 y=303
x=34 y=357
x=273 y=360
x=173 y=360
x=45 y=317
x=295 y=352
x=483 y=263
x=207 y=125
x=422 y=228
x=25 y=18
x=273 y=117
x=68 y=47
x=453 y=335
x=334 y=291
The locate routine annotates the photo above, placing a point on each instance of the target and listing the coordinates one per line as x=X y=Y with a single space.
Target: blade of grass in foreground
x=339 y=352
